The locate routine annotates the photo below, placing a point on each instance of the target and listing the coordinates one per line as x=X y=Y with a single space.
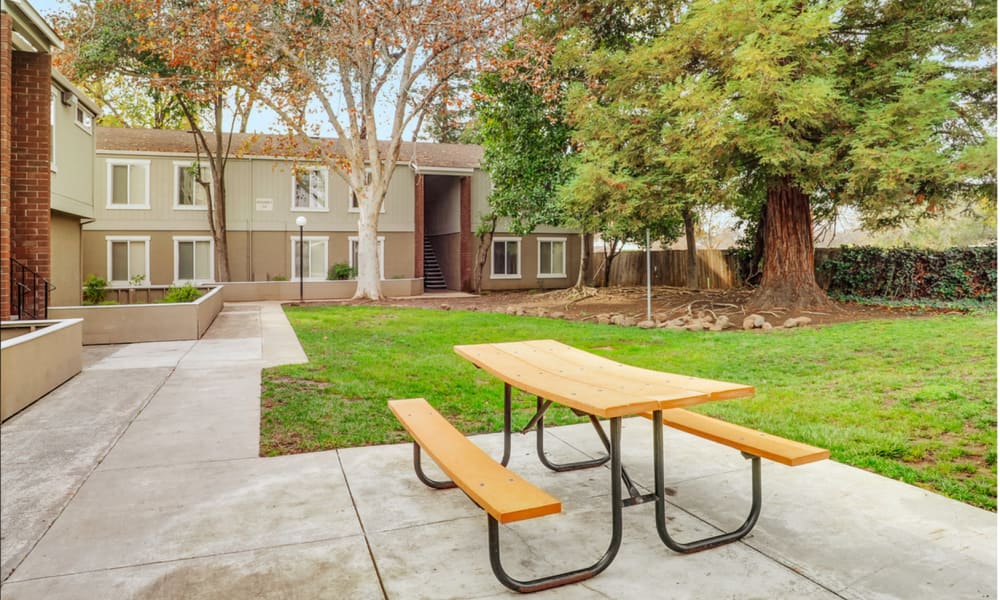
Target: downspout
x=253 y=210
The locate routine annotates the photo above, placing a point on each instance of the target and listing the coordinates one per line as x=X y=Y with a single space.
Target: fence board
x=717 y=269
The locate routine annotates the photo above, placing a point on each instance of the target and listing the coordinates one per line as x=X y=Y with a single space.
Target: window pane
x=185 y=260
x=559 y=257
x=301 y=199
x=184 y=185
x=137 y=259
x=512 y=261
x=119 y=261
x=354 y=253
x=317 y=189
x=498 y=258
x=200 y=195
x=203 y=261
x=544 y=258
x=137 y=184
x=119 y=184
x=317 y=260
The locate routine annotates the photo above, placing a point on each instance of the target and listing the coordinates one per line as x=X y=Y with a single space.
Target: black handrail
x=28 y=290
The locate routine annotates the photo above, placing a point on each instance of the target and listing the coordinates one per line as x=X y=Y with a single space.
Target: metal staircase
x=29 y=293
x=433 y=276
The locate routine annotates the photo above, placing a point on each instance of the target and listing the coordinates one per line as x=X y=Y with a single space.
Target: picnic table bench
x=596 y=387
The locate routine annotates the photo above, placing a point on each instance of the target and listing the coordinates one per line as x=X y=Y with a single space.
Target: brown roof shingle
x=116 y=139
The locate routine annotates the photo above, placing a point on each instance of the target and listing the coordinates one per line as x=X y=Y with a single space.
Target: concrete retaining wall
x=36 y=362
x=127 y=323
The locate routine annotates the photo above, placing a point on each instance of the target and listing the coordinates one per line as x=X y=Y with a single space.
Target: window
x=128 y=259
x=314 y=253
x=506 y=258
x=83 y=118
x=128 y=184
x=353 y=241
x=194 y=259
x=551 y=257
x=188 y=193
x=309 y=189
x=354 y=206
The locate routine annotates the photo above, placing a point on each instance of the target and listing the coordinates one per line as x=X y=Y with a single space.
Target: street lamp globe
x=300 y=221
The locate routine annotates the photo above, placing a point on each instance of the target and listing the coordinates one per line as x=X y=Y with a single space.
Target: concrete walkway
x=140 y=478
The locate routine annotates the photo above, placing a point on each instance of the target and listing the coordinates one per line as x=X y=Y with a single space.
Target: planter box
x=288 y=291
x=35 y=358
x=125 y=323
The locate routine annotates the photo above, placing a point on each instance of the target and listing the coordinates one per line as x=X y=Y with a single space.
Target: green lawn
x=913 y=399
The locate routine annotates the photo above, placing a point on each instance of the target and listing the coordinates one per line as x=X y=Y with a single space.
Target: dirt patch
x=667 y=303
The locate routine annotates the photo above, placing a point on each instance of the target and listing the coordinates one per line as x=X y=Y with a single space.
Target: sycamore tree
x=368 y=70
x=807 y=106
x=186 y=55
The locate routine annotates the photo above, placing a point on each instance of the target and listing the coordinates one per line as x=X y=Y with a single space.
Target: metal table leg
x=660 y=493
x=551 y=581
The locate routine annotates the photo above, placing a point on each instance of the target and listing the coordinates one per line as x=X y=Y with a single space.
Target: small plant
x=185 y=293
x=342 y=271
x=137 y=279
x=279 y=278
x=94 y=290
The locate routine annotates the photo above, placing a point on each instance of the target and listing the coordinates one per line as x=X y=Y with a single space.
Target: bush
x=342 y=271
x=94 y=290
x=908 y=273
x=185 y=293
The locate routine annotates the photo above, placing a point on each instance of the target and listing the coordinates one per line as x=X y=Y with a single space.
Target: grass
x=911 y=399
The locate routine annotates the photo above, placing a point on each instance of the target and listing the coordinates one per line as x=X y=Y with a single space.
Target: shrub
x=907 y=273
x=94 y=290
x=185 y=293
x=342 y=271
x=278 y=278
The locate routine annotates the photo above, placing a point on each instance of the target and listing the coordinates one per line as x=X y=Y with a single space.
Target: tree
x=189 y=51
x=368 y=69
x=804 y=107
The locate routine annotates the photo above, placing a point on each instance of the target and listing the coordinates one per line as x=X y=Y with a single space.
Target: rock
x=445 y=307
x=766 y=326
x=705 y=317
x=647 y=324
x=695 y=325
x=604 y=319
x=660 y=317
x=622 y=321
x=797 y=322
x=541 y=312
x=510 y=310
x=722 y=323
x=557 y=315
x=753 y=322
x=678 y=323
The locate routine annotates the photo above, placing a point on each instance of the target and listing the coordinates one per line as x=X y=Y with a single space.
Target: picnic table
x=598 y=388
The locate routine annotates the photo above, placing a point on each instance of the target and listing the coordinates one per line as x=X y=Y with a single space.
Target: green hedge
x=901 y=273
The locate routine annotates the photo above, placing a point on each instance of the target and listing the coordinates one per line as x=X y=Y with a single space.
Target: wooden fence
x=717 y=269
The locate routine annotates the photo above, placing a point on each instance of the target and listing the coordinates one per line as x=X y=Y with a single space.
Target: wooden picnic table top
x=591 y=383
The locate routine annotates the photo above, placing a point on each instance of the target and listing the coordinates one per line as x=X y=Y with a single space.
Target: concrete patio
x=140 y=478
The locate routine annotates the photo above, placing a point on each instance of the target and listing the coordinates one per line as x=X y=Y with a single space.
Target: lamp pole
x=301 y=222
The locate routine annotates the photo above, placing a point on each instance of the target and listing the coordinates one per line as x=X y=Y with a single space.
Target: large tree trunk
x=692 y=248
x=483 y=253
x=586 y=252
x=368 y=257
x=789 y=278
x=219 y=199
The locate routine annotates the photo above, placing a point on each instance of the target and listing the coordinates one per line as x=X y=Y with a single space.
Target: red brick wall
x=5 y=126
x=30 y=165
x=465 y=234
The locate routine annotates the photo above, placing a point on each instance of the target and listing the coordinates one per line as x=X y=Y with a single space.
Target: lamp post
x=301 y=222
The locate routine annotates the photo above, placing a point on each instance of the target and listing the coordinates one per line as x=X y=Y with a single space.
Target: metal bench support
x=660 y=492
x=551 y=581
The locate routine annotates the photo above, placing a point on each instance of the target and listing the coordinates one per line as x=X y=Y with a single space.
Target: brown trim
x=465 y=234
x=418 y=226
x=6 y=47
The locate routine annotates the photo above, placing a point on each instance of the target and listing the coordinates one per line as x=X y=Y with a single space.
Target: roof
x=30 y=31
x=164 y=141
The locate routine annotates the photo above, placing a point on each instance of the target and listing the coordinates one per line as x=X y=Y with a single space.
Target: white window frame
x=178 y=165
x=326 y=256
x=109 y=239
x=326 y=189
x=88 y=123
x=52 y=131
x=380 y=241
x=351 y=195
x=128 y=162
x=178 y=239
x=562 y=273
x=493 y=242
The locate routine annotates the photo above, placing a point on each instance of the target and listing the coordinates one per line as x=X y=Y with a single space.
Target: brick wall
x=5 y=126
x=30 y=164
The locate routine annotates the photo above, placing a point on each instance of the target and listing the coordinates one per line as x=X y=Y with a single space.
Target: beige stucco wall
x=33 y=364
x=66 y=260
x=313 y=290
x=73 y=171
x=529 y=264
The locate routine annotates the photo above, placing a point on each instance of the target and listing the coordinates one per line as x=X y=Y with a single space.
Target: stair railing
x=29 y=292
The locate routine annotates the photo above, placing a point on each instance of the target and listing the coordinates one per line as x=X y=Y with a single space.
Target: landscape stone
x=753 y=322
x=647 y=324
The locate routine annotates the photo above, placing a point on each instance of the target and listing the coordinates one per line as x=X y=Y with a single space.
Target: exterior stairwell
x=433 y=276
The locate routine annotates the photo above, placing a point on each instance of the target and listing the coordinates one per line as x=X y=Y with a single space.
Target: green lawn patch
x=912 y=399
